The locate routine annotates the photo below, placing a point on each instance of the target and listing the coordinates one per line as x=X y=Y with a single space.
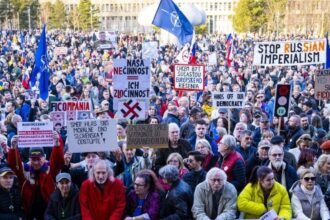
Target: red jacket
x=108 y=204
x=46 y=178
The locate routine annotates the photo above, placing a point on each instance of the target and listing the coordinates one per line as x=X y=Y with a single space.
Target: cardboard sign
x=322 y=85
x=290 y=53
x=35 y=134
x=60 y=51
x=189 y=77
x=150 y=50
x=145 y=135
x=228 y=99
x=92 y=135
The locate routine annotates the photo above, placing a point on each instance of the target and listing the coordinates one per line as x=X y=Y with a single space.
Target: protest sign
x=189 y=77
x=106 y=40
x=35 y=134
x=58 y=119
x=270 y=215
x=228 y=99
x=282 y=100
x=150 y=50
x=322 y=85
x=183 y=56
x=131 y=84
x=145 y=135
x=290 y=53
x=92 y=135
x=212 y=59
x=60 y=51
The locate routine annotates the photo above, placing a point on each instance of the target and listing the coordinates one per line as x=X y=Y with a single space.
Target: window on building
x=220 y=6
x=211 y=7
x=229 y=6
x=225 y=6
x=216 y=6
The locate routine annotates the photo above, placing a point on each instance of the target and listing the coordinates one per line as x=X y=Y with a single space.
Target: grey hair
x=324 y=158
x=203 y=142
x=274 y=147
x=107 y=164
x=229 y=140
x=221 y=131
x=214 y=171
x=173 y=125
x=170 y=173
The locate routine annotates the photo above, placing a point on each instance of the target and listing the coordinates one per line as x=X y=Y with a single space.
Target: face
x=246 y=140
x=203 y=149
x=154 y=121
x=304 y=122
x=100 y=173
x=174 y=161
x=268 y=182
x=9 y=107
x=222 y=148
x=90 y=159
x=129 y=153
x=243 y=118
x=152 y=111
x=326 y=167
x=292 y=122
x=174 y=134
x=200 y=130
x=192 y=163
x=276 y=158
x=121 y=132
x=64 y=186
x=7 y=181
x=37 y=162
x=216 y=182
x=140 y=186
x=308 y=181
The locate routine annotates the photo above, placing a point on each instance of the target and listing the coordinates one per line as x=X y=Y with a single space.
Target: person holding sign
x=36 y=179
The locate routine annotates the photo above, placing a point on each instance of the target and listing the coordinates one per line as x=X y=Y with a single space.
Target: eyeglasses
x=106 y=104
x=216 y=180
x=190 y=160
x=173 y=161
x=277 y=155
x=307 y=179
x=139 y=185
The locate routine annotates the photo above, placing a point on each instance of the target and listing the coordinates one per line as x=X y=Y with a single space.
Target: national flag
x=229 y=49
x=327 y=64
x=41 y=66
x=169 y=17
x=193 y=58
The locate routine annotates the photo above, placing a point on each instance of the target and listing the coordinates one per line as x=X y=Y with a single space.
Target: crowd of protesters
x=219 y=164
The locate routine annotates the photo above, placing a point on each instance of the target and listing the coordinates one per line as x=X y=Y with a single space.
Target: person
x=303 y=142
x=323 y=172
x=263 y=194
x=210 y=160
x=64 y=202
x=143 y=202
x=232 y=162
x=306 y=159
x=188 y=128
x=178 y=200
x=196 y=172
x=102 y=196
x=215 y=198
x=288 y=157
x=259 y=158
x=293 y=131
x=325 y=147
x=245 y=148
x=36 y=179
x=307 y=198
x=10 y=196
x=172 y=115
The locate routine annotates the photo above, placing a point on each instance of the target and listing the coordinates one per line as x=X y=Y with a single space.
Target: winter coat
x=203 y=202
x=251 y=201
x=8 y=199
x=214 y=146
x=193 y=178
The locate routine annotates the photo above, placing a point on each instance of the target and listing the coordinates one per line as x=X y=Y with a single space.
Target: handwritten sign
x=189 y=77
x=60 y=51
x=228 y=99
x=35 y=134
x=145 y=135
x=322 y=85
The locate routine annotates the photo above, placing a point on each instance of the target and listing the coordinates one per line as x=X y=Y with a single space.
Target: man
x=23 y=108
x=293 y=131
x=201 y=133
x=64 y=202
x=307 y=128
x=259 y=158
x=245 y=148
x=188 y=128
x=10 y=196
x=232 y=162
x=9 y=107
x=303 y=142
x=196 y=173
x=172 y=115
x=215 y=198
x=175 y=145
x=36 y=179
x=288 y=157
x=102 y=196
x=264 y=126
x=283 y=172
x=319 y=138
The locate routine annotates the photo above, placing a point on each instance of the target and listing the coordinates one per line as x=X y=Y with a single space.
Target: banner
x=131 y=83
x=189 y=77
x=105 y=40
x=60 y=51
x=145 y=135
x=290 y=53
x=228 y=99
x=322 y=85
x=150 y=50
x=71 y=106
x=92 y=135
x=35 y=134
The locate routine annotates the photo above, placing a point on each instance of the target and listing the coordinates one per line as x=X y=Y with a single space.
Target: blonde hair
x=324 y=158
x=178 y=156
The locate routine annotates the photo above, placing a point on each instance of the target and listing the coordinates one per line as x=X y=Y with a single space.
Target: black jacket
x=64 y=208
x=10 y=204
x=177 y=203
x=194 y=178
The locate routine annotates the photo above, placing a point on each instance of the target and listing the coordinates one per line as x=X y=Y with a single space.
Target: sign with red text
x=35 y=134
x=322 y=85
x=189 y=77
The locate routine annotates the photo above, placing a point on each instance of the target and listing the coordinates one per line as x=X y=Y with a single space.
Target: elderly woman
x=204 y=147
x=144 y=201
x=215 y=198
x=323 y=172
x=307 y=198
x=178 y=201
x=263 y=194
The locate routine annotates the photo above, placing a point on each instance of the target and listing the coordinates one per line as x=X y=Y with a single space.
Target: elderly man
x=232 y=162
x=102 y=196
x=259 y=158
x=245 y=148
x=294 y=131
x=64 y=202
x=215 y=198
x=283 y=172
x=178 y=201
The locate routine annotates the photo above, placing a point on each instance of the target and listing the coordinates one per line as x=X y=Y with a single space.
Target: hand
x=14 y=141
x=56 y=138
x=118 y=154
x=67 y=158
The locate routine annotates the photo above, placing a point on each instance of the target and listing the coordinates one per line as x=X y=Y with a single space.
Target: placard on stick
x=35 y=134
x=145 y=135
x=322 y=85
x=92 y=135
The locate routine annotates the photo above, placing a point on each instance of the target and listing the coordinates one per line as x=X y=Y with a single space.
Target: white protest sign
x=189 y=77
x=212 y=59
x=322 y=85
x=228 y=99
x=131 y=83
x=183 y=56
x=35 y=134
x=150 y=50
x=289 y=53
x=270 y=215
x=60 y=51
x=92 y=135
x=132 y=109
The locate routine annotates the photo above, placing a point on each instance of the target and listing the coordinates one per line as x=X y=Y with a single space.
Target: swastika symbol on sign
x=131 y=109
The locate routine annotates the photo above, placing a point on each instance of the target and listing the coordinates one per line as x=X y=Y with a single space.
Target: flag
x=193 y=58
x=229 y=49
x=22 y=38
x=327 y=64
x=183 y=56
x=169 y=17
x=41 y=66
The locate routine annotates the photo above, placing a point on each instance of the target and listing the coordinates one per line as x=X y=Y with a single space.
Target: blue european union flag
x=41 y=66
x=327 y=64
x=169 y=17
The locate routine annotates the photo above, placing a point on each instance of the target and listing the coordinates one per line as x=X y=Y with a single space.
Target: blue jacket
x=171 y=119
x=214 y=146
x=24 y=111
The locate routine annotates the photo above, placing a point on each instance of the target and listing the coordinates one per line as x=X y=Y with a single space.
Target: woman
x=263 y=194
x=323 y=172
x=143 y=202
x=306 y=159
x=307 y=198
x=204 y=147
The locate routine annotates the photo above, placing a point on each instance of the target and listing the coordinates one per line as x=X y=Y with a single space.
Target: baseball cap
x=277 y=140
x=36 y=152
x=6 y=170
x=61 y=176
